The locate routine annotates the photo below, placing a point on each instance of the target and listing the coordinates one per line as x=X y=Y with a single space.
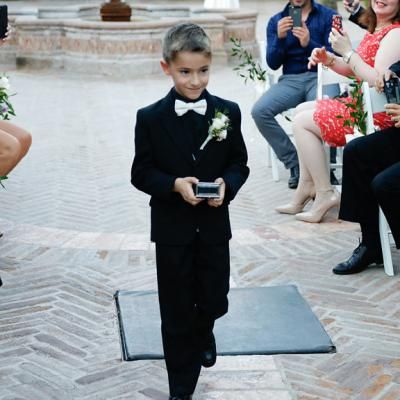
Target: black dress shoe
x=294 y=177
x=185 y=397
x=208 y=351
x=333 y=179
x=361 y=258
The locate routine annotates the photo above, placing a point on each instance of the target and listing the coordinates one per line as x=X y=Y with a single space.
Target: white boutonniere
x=218 y=128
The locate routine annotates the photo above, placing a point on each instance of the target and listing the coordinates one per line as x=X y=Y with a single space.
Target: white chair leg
x=269 y=158
x=385 y=243
x=274 y=164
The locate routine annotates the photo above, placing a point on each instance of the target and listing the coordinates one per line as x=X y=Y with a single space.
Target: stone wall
x=87 y=44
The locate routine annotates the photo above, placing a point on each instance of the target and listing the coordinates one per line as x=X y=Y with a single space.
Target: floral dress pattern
x=332 y=130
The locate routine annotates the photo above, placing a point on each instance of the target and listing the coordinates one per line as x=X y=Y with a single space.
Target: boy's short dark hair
x=185 y=37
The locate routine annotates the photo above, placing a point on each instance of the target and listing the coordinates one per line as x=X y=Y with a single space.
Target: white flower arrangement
x=218 y=128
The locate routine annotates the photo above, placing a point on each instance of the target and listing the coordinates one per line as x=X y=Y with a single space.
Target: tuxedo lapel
x=173 y=126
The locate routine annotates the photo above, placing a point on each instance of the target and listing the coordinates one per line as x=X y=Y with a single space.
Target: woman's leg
x=10 y=149
x=310 y=148
x=305 y=189
x=14 y=144
x=313 y=166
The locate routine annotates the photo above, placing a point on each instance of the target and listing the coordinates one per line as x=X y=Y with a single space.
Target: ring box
x=207 y=190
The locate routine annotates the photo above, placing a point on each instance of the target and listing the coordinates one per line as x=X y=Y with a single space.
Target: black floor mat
x=261 y=320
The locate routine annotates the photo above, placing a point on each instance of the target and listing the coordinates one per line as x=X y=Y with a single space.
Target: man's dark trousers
x=371 y=178
x=193 y=283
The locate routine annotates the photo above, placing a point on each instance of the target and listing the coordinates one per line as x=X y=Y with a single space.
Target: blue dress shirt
x=288 y=52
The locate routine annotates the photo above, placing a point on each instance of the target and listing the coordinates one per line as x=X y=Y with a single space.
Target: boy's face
x=190 y=72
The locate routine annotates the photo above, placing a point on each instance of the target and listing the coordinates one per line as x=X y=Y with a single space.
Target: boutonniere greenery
x=6 y=108
x=218 y=129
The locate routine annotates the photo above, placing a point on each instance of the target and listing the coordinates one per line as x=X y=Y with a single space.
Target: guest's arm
x=355 y=10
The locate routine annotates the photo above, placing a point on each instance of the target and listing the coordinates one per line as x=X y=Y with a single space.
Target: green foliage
x=329 y=3
x=6 y=108
x=355 y=107
x=248 y=68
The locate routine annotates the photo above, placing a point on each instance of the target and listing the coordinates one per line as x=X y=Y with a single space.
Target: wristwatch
x=347 y=56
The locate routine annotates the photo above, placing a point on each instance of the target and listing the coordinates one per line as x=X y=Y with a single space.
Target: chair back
x=373 y=102
x=326 y=77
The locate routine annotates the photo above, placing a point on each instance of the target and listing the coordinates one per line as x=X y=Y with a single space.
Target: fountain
x=75 y=38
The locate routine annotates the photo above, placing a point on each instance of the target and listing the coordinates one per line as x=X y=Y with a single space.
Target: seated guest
x=371 y=178
x=316 y=122
x=290 y=47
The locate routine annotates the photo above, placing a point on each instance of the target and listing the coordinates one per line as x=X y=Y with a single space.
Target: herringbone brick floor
x=76 y=231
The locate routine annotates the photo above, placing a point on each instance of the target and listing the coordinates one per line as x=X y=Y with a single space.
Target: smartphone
x=295 y=13
x=392 y=90
x=337 y=23
x=3 y=21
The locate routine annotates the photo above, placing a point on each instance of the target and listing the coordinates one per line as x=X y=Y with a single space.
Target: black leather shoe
x=208 y=352
x=361 y=258
x=334 y=180
x=186 y=397
x=294 y=177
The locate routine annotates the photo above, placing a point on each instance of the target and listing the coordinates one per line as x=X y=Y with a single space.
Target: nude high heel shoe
x=293 y=209
x=321 y=207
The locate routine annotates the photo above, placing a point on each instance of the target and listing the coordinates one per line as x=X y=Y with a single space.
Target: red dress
x=332 y=130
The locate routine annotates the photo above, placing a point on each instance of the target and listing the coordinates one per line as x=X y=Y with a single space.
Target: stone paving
x=76 y=231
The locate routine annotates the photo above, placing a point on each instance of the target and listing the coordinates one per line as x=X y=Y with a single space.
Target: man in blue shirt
x=289 y=47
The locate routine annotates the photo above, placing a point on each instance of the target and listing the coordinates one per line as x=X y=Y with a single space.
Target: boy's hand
x=184 y=186
x=218 y=202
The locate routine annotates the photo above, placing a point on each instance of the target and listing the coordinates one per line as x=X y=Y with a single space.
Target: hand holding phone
x=337 y=23
x=392 y=90
x=3 y=21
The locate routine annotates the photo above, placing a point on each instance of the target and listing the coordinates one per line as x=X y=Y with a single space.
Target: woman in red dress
x=316 y=122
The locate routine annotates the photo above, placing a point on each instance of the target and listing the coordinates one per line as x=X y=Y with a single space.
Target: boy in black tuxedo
x=187 y=137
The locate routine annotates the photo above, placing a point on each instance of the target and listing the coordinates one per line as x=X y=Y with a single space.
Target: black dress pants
x=371 y=178
x=193 y=284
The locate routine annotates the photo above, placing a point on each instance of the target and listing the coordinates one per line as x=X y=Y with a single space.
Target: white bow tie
x=182 y=108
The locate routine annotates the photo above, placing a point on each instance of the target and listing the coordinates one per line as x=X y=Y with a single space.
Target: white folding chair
x=272 y=159
x=326 y=76
x=283 y=118
x=374 y=102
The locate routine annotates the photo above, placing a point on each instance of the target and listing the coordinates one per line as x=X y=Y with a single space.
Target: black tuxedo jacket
x=163 y=152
